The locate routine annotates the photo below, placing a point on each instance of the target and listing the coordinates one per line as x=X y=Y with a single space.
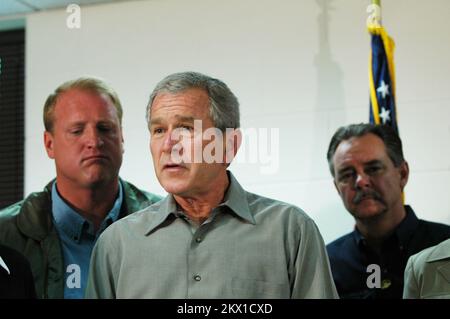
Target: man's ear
x=121 y=140
x=48 y=143
x=404 y=174
x=233 y=140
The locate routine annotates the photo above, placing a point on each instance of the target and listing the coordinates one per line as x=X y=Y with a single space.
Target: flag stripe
x=382 y=78
x=373 y=95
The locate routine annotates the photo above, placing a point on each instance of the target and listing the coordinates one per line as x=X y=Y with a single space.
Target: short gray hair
x=223 y=104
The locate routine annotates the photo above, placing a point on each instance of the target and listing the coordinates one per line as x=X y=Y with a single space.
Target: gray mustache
x=360 y=195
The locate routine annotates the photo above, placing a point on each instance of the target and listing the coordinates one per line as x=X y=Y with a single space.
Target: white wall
x=292 y=66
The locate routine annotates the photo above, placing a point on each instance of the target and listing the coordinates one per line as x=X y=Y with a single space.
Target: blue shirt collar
x=67 y=220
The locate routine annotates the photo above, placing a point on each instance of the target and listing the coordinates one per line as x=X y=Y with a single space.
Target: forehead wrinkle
x=182 y=118
x=179 y=118
x=189 y=98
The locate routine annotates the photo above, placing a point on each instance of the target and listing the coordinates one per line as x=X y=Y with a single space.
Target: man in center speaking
x=209 y=238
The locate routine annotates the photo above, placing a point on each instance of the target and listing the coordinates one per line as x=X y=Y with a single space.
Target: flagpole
x=378 y=3
x=374 y=10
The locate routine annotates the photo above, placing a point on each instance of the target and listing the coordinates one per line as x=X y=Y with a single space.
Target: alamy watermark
x=73 y=20
x=374 y=279
x=74 y=276
x=259 y=146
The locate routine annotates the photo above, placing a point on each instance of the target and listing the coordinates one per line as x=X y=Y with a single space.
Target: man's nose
x=93 y=138
x=362 y=180
x=169 y=141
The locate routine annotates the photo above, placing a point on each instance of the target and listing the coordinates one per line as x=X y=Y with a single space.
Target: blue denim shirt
x=78 y=238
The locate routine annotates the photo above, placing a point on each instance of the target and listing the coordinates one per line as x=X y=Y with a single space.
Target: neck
x=93 y=203
x=198 y=207
x=376 y=230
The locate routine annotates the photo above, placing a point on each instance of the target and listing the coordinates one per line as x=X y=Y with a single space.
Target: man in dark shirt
x=16 y=279
x=370 y=173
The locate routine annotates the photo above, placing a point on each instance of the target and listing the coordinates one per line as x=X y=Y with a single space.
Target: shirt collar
x=235 y=198
x=403 y=231
x=72 y=224
x=439 y=252
x=407 y=227
x=358 y=237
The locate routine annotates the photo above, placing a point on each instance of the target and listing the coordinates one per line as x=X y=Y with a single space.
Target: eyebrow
x=76 y=123
x=373 y=162
x=345 y=169
x=369 y=163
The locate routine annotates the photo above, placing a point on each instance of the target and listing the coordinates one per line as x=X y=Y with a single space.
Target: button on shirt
x=350 y=256
x=78 y=237
x=249 y=247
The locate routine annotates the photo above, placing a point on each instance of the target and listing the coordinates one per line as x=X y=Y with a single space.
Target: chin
x=366 y=216
x=99 y=179
x=174 y=188
x=369 y=212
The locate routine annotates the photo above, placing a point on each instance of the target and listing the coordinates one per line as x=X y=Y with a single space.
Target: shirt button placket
x=196 y=268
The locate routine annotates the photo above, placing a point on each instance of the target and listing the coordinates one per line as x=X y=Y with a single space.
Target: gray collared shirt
x=250 y=247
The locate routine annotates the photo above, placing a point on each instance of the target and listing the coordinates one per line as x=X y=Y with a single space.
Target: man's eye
x=345 y=177
x=186 y=128
x=157 y=130
x=104 y=129
x=373 y=169
x=75 y=132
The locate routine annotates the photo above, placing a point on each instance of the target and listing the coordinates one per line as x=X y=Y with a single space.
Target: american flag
x=382 y=79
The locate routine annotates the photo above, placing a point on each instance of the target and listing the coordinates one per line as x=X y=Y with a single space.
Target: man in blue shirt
x=370 y=173
x=56 y=229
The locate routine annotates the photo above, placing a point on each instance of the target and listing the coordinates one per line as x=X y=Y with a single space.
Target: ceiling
x=14 y=8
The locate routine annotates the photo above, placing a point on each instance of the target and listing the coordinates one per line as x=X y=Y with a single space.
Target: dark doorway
x=12 y=62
